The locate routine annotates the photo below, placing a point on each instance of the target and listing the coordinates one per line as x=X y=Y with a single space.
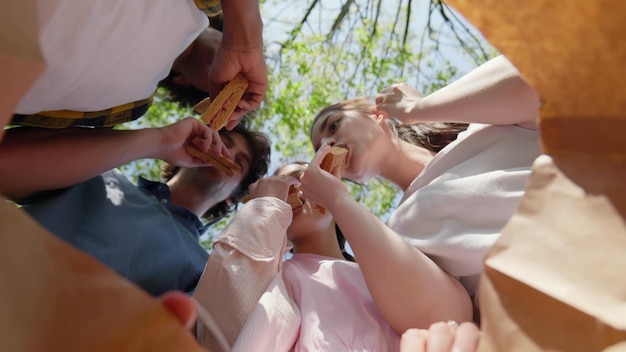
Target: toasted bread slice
x=218 y=111
x=202 y=106
x=336 y=157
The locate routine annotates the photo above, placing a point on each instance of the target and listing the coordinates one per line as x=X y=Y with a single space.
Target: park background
x=321 y=51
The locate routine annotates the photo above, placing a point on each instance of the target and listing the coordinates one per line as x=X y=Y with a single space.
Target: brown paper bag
x=56 y=298
x=556 y=279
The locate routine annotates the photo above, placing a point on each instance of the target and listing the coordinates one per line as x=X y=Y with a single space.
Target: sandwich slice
x=335 y=159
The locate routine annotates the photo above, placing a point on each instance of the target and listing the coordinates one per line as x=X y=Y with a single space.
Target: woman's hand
x=175 y=137
x=272 y=186
x=400 y=101
x=319 y=186
x=441 y=337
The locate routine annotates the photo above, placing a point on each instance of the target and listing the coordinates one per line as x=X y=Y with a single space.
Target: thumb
x=181 y=306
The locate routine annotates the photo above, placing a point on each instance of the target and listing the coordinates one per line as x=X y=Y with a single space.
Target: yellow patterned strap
x=210 y=7
x=67 y=118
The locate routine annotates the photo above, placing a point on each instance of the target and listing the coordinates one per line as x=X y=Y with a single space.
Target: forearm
x=408 y=288
x=34 y=160
x=252 y=245
x=243 y=25
x=493 y=93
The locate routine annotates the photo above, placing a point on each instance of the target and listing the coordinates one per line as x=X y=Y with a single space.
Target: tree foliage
x=322 y=51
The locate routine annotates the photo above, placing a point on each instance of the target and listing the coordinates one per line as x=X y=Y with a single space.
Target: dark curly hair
x=433 y=136
x=260 y=146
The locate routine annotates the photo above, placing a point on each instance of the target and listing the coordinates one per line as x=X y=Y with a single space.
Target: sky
x=280 y=17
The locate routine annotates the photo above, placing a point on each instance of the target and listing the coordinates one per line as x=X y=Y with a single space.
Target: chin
x=354 y=173
x=356 y=177
x=359 y=173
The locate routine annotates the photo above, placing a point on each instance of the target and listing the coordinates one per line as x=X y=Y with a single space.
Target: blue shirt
x=134 y=230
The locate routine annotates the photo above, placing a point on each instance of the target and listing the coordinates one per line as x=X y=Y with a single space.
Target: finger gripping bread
x=220 y=162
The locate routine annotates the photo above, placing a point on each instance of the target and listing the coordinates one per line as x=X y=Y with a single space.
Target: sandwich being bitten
x=335 y=158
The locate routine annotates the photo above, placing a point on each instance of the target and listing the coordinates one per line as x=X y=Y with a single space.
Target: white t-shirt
x=104 y=53
x=455 y=209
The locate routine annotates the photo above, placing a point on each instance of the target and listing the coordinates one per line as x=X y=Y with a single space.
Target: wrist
x=153 y=141
x=418 y=111
x=340 y=201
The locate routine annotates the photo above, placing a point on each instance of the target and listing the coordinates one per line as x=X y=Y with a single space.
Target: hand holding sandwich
x=320 y=186
x=175 y=137
x=273 y=186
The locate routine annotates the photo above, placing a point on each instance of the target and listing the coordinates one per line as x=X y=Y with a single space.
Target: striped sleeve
x=246 y=259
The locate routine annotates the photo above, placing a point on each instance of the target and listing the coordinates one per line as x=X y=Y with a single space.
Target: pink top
x=250 y=300
x=336 y=308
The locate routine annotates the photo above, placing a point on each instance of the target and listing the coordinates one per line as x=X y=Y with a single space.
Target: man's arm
x=34 y=160
x=241 y=51
x=252 y=244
